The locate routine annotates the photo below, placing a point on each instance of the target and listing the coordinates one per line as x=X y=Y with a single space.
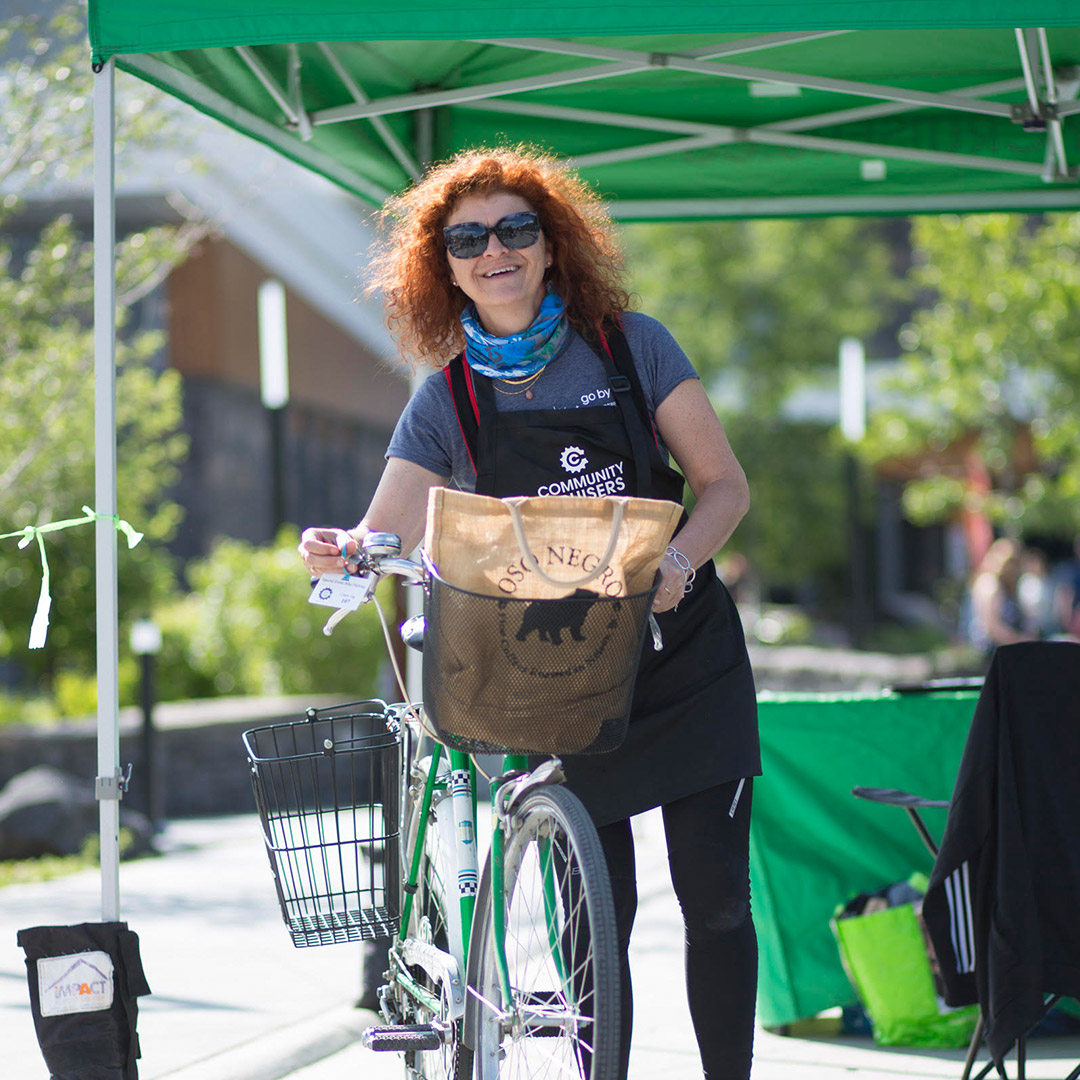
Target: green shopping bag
x=885 y=956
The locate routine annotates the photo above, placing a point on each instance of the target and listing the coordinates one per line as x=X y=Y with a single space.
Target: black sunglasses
x=469 y=239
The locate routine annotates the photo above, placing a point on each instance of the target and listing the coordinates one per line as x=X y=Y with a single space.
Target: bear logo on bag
x=550 y=617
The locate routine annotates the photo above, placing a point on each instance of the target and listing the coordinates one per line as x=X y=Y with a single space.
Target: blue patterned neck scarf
x=520 y=354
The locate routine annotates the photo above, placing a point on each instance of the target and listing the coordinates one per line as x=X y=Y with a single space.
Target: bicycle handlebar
x=405 y=568
x=380 y=553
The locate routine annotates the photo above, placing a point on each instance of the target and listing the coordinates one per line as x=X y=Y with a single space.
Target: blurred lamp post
x=274 y=386
x=853 y=428
x=146 y=644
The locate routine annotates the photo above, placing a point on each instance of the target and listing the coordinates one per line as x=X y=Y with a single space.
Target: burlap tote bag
x=536 y=611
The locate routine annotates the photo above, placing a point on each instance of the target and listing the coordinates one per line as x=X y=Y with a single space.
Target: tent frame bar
x=685 y=62
x=396 y=147
x=886 y=108
x=155 y=71
x=636 y=62
x=296 y=95
x=431 y=99
x=1036 y=201
x=259 y=70
x=704 y=52
x=697 y=127
x=701 y=136
x=1034 y=52
x=614 y=62
x=108 y=786
x=1041 y=111
x=811 y=143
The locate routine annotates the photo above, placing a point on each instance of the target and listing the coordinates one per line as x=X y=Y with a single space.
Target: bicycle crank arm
x=406 y=1037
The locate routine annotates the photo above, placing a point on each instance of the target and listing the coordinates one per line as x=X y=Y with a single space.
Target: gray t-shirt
x=428 y=433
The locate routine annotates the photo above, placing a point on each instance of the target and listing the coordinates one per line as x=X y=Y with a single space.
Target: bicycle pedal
x=403 y=1037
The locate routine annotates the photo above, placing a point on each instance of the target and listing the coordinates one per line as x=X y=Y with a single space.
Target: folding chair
x=1001 y=907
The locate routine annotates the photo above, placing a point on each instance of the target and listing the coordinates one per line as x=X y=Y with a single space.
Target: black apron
x=693 y=724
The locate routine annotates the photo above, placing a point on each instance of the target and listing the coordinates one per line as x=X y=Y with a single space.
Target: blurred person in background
x=1067 y=596
x=1035 y=592
x=997 y=617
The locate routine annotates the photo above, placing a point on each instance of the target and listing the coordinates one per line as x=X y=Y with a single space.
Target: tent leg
x=108 y=756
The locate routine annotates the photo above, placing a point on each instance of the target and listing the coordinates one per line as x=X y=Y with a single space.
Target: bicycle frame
x=464 y=877
x=455 y=783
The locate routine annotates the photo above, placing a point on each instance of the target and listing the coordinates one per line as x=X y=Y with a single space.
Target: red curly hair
x=410 y=268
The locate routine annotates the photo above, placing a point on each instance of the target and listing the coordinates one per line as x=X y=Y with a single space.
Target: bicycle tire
x=428 y=922
x=560 y=1026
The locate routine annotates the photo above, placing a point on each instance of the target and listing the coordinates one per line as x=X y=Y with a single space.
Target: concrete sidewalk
x=231 y=995
x=234 y=1000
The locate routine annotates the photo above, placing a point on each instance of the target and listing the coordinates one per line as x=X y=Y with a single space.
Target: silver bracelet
x=683 y=563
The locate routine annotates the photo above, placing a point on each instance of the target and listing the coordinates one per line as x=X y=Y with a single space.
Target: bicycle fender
x=481 y=918
x=547 y=772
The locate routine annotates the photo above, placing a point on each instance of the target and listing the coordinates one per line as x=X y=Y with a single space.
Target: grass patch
x=47 y=867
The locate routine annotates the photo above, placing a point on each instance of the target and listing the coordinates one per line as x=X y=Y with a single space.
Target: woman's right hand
x=320 y=550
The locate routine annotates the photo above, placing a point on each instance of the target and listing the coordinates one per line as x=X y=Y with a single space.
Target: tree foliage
x=762 y=305
x=46 y=345
x=760 y=308
x=246 y=627
x=991 y=363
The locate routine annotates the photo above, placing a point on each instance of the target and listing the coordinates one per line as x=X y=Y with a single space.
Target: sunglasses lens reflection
x=469 y=239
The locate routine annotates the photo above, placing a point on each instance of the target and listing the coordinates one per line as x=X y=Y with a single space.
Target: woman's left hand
x=672 y=585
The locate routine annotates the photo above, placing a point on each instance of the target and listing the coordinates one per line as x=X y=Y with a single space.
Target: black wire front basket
x=327 y=789
x=507 y=675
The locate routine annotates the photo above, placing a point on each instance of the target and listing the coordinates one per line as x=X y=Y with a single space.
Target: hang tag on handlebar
x=339 y=591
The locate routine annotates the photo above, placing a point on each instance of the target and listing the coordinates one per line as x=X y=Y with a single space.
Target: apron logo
x=573 y=459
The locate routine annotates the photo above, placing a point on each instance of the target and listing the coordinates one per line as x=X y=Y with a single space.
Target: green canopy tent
x=691 y=109
x=685 y=109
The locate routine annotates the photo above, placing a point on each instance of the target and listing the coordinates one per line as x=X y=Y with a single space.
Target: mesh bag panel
x=327 y=789
x=505 y=675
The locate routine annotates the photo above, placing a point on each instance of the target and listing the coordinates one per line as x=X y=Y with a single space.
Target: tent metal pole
x=844 y=86
x=682 y=62
x=706 y=52
x=390 y=140
x=108 y=786
x=1037 y=200
x=811 y=143
x=1026 y=44
x=149 y=67
x=891 y=108
x=258 y=69
x=1055 y=136
x=432 y=99
x=697 y=127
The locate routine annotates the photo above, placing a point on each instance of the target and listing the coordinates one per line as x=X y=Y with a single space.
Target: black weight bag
x=85 y=981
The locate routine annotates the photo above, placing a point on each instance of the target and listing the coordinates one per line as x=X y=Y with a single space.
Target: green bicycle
x=370 y=818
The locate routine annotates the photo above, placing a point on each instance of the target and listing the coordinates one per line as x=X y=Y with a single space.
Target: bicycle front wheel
x=559 y=1015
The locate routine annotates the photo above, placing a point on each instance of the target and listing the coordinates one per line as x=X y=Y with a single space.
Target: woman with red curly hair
x=501 y=271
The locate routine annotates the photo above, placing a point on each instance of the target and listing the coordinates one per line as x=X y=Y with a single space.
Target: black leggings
x=708 y=855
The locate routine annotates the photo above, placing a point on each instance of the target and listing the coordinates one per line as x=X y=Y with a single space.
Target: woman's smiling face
x=506 y=285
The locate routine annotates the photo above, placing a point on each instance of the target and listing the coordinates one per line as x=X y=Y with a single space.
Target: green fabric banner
x=814 y=846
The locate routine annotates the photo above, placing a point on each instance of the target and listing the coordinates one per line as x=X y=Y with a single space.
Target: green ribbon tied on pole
x=39 y=628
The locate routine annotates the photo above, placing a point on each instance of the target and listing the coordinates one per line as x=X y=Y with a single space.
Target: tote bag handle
x=530 y=559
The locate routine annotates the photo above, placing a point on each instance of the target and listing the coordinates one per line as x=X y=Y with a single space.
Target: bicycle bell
x=382 y=543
